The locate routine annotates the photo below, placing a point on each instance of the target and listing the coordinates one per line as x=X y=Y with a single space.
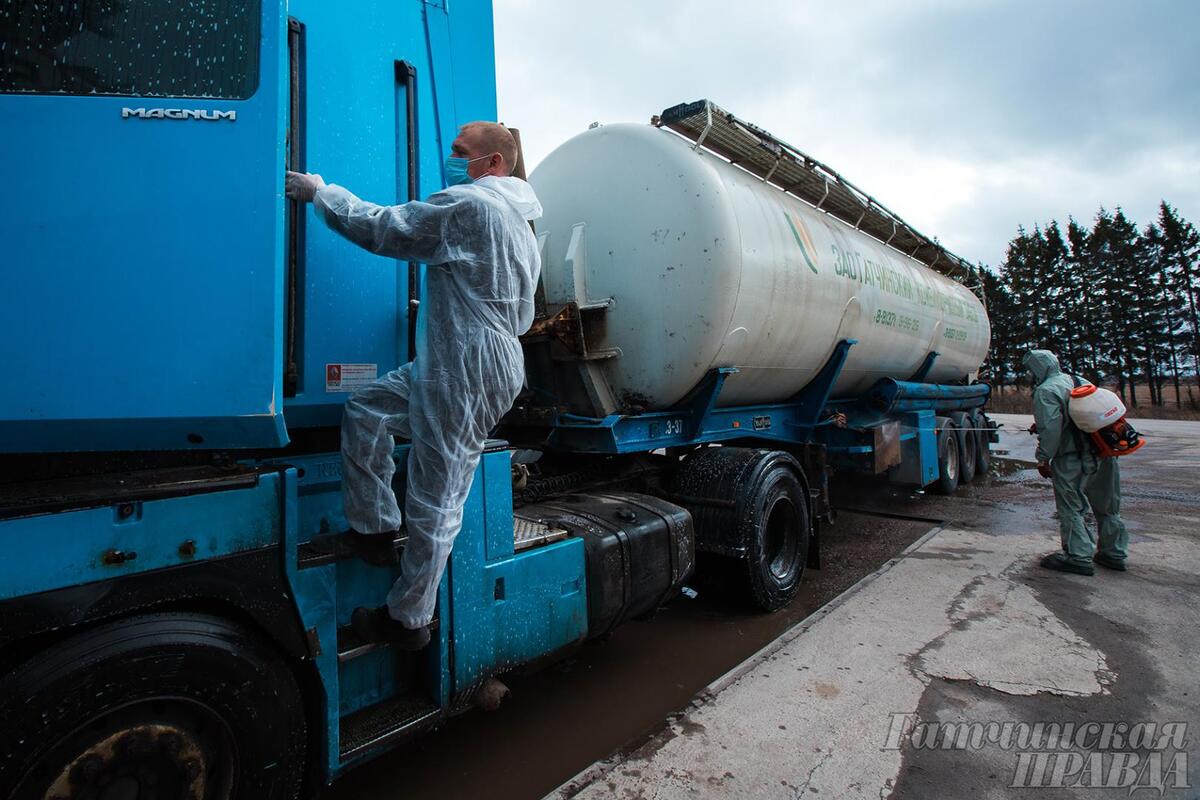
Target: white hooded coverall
x=483 y=266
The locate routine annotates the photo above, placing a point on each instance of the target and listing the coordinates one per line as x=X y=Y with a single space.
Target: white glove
x=303 y=186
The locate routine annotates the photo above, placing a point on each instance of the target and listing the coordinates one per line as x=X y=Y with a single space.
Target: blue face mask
x=456 y=170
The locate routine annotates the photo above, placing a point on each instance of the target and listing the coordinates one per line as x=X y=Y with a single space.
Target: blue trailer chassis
x=842 y=426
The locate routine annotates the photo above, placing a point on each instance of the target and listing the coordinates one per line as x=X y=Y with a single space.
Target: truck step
x=326 y=549
x=350 y=646
x=533 y=532
x=384 y=723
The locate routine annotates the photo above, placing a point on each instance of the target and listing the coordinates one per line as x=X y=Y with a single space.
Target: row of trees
x=1117 y=303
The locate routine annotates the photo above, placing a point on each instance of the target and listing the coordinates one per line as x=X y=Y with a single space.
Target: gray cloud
x=965 y=117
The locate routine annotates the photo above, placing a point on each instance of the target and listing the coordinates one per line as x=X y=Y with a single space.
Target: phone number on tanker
x=900 y=322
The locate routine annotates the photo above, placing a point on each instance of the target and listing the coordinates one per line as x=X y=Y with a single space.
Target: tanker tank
x=672 y=262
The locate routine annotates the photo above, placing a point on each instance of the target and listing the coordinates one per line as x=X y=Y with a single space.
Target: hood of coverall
x=1042 y=363
x=516 y=192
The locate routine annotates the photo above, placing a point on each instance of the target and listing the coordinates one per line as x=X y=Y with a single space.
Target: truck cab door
x=143 y=225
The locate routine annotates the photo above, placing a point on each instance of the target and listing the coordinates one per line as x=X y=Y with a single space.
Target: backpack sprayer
x=1100 y=414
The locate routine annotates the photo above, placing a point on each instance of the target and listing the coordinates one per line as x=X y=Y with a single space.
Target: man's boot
x=1060 y=563
x=378 y=549
x=1109 y=562
x=376 y=625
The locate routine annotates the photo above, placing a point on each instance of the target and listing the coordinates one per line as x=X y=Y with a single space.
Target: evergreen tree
x=1118 y=305
x=1004 y=356
x=1059 y=295
x=1086 y=314
x=1171 y=309
x=1180 y=252
x=1024 y=283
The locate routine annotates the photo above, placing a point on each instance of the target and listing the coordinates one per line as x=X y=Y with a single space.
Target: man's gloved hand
x=1033 y=429
x=1044 y=470
x=303 y=186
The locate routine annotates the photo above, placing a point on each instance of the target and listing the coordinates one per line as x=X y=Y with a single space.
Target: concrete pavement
x=966 y=631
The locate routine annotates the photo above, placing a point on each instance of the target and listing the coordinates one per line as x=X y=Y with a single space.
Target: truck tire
x=966 y=447
x=948 y=457
x=156 y=706
x=779 y=537
x=755 y=501
x=983 y=452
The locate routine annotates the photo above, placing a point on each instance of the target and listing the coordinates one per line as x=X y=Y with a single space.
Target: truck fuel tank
x=639 y=551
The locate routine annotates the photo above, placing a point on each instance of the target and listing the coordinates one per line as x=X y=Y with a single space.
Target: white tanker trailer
x=703 y=282
x=701 y=265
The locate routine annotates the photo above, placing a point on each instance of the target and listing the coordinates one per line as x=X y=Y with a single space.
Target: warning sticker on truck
x=349 y=377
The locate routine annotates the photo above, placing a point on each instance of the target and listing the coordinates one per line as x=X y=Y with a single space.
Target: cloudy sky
x=965 y=117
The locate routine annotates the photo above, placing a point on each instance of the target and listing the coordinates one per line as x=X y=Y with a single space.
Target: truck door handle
x=406 y=77
x=294 y=261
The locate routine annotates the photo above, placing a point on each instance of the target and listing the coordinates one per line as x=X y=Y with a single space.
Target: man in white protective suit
x=483 y=267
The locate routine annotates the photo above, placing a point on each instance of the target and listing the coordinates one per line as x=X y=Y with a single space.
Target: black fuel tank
x=639 y=550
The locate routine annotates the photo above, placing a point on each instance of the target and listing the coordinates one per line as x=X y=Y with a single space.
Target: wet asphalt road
x=612 y=695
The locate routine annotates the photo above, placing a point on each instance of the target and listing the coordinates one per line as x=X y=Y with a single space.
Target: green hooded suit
x=1080 y=478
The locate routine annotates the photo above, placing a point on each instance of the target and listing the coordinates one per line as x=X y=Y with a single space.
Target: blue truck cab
x=178 y=340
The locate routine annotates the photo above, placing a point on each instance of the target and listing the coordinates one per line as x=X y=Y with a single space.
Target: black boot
x=377 y=625
x=1059 y=562
x=378 y=549
x=1117 y=564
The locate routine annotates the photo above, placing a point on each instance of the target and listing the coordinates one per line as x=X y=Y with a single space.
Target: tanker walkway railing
x=780 y=164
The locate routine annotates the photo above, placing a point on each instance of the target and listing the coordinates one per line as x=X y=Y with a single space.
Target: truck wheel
x=966 y=447
x=778 y=541
x=948 y=453
x=983 y=453
x=167 y=705
x=768 y=519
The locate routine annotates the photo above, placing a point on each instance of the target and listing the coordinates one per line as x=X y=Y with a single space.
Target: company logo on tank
x=804 y=240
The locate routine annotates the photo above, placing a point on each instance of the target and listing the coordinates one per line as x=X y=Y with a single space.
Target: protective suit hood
x=1042 y=363
x=514 y=191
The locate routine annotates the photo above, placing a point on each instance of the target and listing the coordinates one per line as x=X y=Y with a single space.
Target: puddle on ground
x=1004 y=467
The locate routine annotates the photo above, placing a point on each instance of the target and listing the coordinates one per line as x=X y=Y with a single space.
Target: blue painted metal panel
x=354 y=305
x=168 y=305
x=319 y=492
x=53 y=551
x=345 y=585
x=315 y=591
x=918 y=449
x=925 y=424
x=512 y=609
x=370 y=678
x=151 y=251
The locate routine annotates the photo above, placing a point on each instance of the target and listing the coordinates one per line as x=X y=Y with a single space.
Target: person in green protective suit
x=1080 y=478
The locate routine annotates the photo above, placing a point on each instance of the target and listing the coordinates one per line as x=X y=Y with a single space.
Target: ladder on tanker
x=780 y=164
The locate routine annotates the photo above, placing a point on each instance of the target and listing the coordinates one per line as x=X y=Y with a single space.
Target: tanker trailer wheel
x=750 y=511
x=967 y=458
x=983 y=452
x=168 y=705
x=948 y=453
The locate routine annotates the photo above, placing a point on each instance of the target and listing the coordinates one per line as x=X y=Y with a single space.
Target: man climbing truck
x=466 y=372
x=175 y=604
